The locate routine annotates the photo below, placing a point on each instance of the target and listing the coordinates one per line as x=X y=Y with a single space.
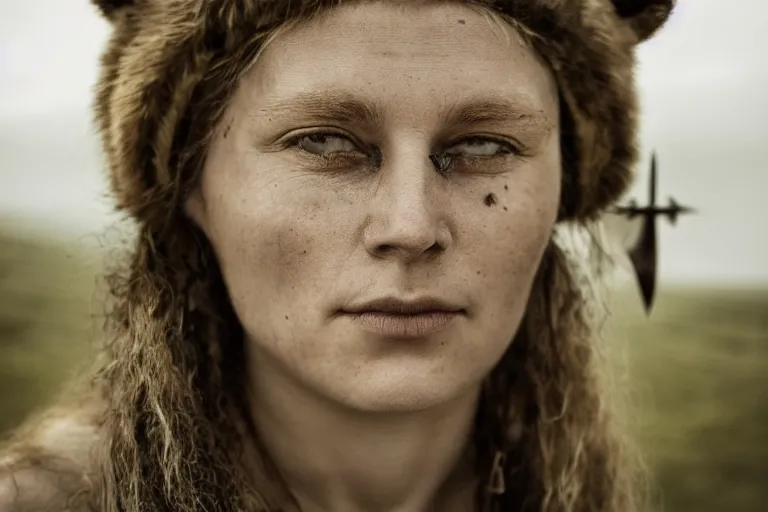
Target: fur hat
x=162 y=50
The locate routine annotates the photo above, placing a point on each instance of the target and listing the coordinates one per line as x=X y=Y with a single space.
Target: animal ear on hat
x=110 y=8
x=645 y=17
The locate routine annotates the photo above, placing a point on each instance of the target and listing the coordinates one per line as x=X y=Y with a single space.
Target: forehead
x=404 y=56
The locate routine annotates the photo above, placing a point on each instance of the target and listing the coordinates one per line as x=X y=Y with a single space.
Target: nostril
x=385 y=248
x=436 y=247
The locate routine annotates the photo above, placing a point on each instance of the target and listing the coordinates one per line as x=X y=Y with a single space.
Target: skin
x=300 y=236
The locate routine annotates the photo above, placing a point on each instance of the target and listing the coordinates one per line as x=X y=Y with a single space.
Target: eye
x=325 y=143
x=481 y=147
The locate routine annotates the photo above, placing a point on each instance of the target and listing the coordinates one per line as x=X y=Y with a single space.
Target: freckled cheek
x=512 y=241
x=273 y=240
x=273 y=249
x=513 y=252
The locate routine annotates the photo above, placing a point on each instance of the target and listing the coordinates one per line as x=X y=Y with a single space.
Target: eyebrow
x=331 y=105
x=494 y=110
x=345 y=106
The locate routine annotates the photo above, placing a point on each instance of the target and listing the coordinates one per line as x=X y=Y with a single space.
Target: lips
x=396 y=306
x=396 y=318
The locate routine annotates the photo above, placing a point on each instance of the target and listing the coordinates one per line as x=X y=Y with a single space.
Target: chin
x=395 y=402
x=400 y=390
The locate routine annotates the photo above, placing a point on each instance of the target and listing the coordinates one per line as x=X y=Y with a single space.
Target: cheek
x=264 y=240
x=519 y=224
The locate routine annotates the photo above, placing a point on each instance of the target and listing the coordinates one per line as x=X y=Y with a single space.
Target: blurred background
x=698 y=365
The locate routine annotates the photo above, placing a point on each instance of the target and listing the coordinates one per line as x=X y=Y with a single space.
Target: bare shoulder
x=48 y=464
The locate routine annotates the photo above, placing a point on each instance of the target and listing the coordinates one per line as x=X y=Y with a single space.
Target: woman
x=345 y=294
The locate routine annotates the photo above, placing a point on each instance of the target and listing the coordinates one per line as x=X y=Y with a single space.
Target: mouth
x=396 y=318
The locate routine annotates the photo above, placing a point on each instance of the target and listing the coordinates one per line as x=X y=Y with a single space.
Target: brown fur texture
x=172 y=422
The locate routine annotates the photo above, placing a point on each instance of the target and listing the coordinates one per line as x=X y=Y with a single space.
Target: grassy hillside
x=47 y=318
x=698 y=368
x=699 y=372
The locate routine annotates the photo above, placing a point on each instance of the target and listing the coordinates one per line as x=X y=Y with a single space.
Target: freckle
x=286 y=317
x=505 y=209
x=506 y=187
x=478 y=272
x=304 y=251
x=462 y=22
x=490 y=199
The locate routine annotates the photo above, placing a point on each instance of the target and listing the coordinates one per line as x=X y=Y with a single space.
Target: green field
x=698 y=368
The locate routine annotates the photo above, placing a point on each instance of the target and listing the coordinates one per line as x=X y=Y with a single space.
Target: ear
x=110 y=8
x=645 y=17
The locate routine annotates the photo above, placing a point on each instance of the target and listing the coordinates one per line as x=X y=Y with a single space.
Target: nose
x=406 y=217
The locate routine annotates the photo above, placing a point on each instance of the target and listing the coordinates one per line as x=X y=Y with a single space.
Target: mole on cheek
x=490 y=199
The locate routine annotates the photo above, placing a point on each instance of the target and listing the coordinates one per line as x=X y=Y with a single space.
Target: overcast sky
x=703 y=85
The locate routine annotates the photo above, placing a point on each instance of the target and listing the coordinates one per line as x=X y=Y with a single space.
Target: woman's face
x=404 y=154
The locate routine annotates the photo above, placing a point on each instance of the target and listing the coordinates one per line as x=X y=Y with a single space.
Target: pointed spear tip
x=648 y=304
